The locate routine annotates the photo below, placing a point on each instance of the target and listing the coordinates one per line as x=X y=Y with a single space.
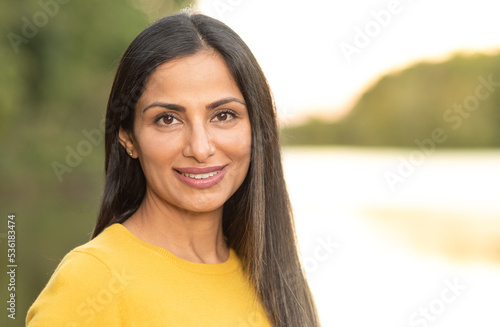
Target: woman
x=195 y=226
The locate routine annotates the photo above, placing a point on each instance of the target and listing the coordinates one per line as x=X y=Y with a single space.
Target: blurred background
x=391 y=131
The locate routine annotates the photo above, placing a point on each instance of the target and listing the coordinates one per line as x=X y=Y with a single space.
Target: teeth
x=201 y=176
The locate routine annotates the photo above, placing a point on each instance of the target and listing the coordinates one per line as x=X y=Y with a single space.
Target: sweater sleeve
x=83 y=291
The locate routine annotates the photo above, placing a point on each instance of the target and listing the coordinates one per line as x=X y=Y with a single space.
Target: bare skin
x=191 y=115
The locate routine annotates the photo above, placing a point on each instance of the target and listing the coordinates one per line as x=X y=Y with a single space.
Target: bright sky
x=299 y=43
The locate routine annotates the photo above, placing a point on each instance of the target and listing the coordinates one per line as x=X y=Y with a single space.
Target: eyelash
x=161 y=116
x=227 y=112
x=158 y=118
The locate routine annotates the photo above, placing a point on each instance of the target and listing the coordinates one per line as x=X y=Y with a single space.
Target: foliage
x=54 y=89
x=409 y=105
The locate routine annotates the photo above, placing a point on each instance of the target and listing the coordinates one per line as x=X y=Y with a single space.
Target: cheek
x=156 y=149
x=241 y=145
x=246 y=149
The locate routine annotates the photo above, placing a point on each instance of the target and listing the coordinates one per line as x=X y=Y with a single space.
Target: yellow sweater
x=119 y=280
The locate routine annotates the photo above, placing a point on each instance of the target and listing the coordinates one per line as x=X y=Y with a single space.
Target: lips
x=203 y=177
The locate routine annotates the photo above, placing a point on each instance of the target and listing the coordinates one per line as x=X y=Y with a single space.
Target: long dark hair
x=257 y=219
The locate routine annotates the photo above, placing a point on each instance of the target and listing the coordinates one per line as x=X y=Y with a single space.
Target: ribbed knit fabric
x=117 y=279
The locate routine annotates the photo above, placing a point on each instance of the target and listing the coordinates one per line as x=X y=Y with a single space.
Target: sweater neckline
x=228 y=266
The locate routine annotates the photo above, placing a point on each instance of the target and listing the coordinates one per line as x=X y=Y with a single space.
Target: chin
x=204 y=206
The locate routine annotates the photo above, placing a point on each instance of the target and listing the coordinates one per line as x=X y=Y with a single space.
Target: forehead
x=204 y=74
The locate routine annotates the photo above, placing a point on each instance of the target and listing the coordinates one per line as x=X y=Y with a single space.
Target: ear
x=127 y=141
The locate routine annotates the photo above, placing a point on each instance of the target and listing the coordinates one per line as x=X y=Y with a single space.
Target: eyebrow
x=180 y=108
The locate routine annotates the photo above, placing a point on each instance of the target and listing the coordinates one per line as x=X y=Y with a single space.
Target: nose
x=198 y=144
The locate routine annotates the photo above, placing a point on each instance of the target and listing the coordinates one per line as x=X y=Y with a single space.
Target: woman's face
x=192 y=133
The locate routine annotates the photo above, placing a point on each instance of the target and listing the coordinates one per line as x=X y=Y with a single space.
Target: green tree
x=410 y=104
x=58 y=62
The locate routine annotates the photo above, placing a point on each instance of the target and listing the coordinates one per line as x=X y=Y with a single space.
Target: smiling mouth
x=201 y=176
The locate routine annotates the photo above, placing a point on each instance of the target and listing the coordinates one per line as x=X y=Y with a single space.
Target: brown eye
x=167 y=120
x=224 y=116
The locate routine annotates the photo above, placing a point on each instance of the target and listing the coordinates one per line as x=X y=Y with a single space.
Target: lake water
x=395 y=237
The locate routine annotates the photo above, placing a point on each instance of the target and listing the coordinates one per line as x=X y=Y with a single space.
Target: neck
x=192 y=236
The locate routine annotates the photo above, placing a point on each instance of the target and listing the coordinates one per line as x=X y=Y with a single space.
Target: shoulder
x=93 y=261
x=104 y=246
x=83 y=285
x=79 y=264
